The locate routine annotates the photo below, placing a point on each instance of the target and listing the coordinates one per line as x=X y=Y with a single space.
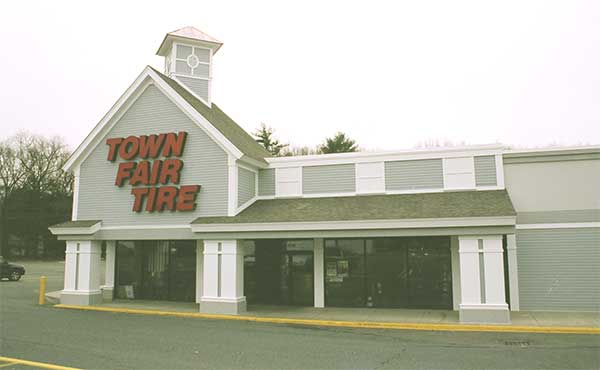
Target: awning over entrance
x=425 y=210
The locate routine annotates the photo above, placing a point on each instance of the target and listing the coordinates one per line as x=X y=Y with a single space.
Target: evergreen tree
x=340 y=143
x=264 y=136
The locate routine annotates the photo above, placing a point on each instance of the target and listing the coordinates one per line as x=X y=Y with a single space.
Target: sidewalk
x=543 y=322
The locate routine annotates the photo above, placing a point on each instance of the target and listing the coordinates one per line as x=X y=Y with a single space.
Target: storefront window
x=388 y=272
x=279 y=272
x=156 y=270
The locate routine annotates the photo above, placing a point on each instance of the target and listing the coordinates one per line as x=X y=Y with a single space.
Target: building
x=189 y=207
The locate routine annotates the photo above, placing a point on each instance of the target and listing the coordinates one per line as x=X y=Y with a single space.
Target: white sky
x=390 y=74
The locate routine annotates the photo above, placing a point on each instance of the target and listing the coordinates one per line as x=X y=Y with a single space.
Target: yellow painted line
x=350 y=324
x=9 y=364
x=16 y=361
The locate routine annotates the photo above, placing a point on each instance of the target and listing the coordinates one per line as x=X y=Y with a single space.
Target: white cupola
x=188 y=56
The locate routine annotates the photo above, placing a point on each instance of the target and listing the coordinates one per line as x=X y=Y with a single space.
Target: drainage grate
x=517 y=343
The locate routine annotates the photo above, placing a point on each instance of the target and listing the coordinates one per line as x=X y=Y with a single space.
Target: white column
x=109 y=271
x=482 y=280
x=223 y=277
x=455 y=260
x=199 y=269
x=319 y=272
x=470 y=290
x=513 y=272
x=82 y=273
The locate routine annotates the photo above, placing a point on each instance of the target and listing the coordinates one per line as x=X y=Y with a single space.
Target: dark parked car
x=11 y=271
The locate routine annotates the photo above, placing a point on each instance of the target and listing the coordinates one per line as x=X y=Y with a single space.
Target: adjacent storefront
x=189 y=207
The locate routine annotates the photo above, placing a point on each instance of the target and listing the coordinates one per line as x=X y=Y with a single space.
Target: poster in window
x=343 y=268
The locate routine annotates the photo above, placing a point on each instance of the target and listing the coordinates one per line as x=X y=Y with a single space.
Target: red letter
x=174 y=144
x=156 y=165
x=150 y=145
x=186 y=200
x=151 y=199
x=113 y=146
x=124 y=172
x=166 y=197
x=139 y=194
x=141 y=175
x=170 y=171
x=129 y=147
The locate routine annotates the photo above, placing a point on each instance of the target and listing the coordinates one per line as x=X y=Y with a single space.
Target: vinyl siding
x=549 y=217
x=339 y=178
x=485 y=170
x=416 y=174
x=558 y=269
x=197 y=86
x=205 y=164
x=266 y=182
x=246 y=186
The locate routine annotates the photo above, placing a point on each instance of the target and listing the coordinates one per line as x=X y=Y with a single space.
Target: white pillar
x=319 y=272
x=482 y=280
x=223 y=277
x=109 y=271
x=82 y=273
x=513 y=272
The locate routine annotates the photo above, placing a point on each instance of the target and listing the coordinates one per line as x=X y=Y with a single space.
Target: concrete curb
x=350 y=324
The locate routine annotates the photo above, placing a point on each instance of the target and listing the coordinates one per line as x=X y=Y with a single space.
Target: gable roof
x=463 y=204
x=232 y=138
x=221 y=121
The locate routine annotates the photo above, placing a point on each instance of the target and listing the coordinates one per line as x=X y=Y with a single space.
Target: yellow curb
x=351 y=324
x=16 y=361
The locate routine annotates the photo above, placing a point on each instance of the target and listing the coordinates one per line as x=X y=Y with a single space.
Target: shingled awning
x=466 y=208
x=79 y=227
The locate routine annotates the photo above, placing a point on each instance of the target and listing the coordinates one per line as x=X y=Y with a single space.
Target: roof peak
x=189 y=33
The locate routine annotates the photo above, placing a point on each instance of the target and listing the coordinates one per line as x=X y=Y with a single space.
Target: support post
x=319 y=273
x=109 y=271
x=223 y=278
x=513 y=272
x=482 y=280
x=199 y=269
x=455 y=260
x=82 y=273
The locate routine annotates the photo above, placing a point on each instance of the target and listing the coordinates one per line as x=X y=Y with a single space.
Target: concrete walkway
x=522 y=318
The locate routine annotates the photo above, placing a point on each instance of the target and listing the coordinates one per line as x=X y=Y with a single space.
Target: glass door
x=301 y=285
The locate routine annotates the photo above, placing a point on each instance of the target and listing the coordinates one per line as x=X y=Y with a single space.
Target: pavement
x=101 y=340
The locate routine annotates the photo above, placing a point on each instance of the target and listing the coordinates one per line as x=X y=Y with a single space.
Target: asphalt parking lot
x=101 y=340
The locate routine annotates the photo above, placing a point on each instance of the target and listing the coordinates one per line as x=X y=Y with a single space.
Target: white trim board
x=76 y=230
x=357 y=225
x=564 y=225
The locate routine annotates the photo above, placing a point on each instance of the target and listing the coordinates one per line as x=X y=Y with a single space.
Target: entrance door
x=430 y=277
x=301 y=285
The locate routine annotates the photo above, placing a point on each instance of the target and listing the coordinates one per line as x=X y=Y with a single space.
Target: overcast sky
x=390 y=74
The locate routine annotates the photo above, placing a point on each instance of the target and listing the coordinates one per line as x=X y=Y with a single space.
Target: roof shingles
x=492 y=203
x=222 y=122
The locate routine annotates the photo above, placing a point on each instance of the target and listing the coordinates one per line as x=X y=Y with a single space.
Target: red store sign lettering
x=157 y=172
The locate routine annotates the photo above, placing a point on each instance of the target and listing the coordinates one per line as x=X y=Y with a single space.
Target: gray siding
x=485 y=170
x=246 y=185
x=266 y=182
x=553 y=186
x=547 y=217
x=338 y=178
x=205 y=164
x=417 y=174
x=558 y=269
x=199 y=87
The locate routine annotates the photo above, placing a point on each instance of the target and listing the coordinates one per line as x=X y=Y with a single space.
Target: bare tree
x=41 y=160
x=11 y=179
x=30 y=164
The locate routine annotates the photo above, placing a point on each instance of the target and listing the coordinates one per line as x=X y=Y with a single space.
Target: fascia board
x=358 y=225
